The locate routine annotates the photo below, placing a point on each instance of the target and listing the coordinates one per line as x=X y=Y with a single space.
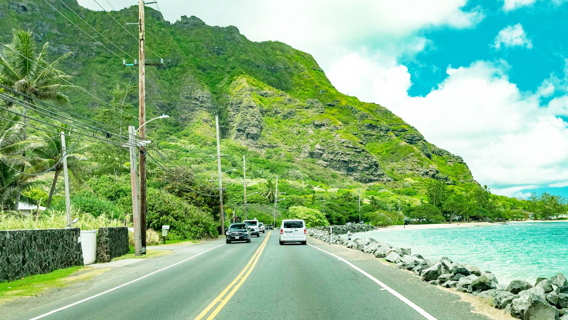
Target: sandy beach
x=458 y=225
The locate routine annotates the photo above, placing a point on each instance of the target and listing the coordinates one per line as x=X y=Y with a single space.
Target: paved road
x=259 y=280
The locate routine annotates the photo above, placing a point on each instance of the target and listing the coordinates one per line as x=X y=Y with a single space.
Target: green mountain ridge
x=275 y=103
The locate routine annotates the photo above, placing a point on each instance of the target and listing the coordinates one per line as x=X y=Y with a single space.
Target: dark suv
x=238 y=232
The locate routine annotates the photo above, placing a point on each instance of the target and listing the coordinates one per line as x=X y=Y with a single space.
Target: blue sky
x=484 y=79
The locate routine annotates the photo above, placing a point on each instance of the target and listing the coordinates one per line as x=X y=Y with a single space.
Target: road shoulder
x=441 y=303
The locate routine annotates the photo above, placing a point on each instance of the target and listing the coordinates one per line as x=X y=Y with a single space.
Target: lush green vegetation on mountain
x=276 y=107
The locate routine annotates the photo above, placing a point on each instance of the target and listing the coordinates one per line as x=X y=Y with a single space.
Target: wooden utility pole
x=134 y=187
x=220 y=178
x=142 y=121
x=66 y=176
x=275 y=203
x=245 y=185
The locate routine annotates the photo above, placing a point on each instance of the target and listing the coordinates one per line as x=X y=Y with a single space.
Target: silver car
x=261 y=227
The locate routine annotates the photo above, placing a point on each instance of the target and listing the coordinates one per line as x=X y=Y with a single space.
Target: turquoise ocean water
x=511 y=251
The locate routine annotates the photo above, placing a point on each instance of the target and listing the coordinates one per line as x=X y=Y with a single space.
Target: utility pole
x=66 y=176
x=275 y=202
x=142 y=121
x=359 y=205
x=245 y=185
x=220 y=177
x=135 y=198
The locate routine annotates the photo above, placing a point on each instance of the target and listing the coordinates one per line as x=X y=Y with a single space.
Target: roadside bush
x=93 y=205
x=312 y=217
x=152 y=238
x=186 y=220
x=55 y=219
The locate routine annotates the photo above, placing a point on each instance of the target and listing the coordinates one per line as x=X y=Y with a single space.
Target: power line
x=100 y=34
x=52 y=106
x=122 y=24
x=62 y=128
x=54 y=115
x=67 y=81
x=88 y=34
x=28 y=105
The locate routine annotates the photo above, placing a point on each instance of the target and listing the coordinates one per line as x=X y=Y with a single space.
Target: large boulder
x=561 y=282
x=371 y=247
x=473 y=270
x=517 y=286
x=382 y=250
x=521 y=304
x=459 y=269
x=503 y=298
x=433 y=272
x=485 y=282
x=351 y=244
x=408 y=262
x=552 y=298
x=540 y=311
x=563 y=300
x=393 y=257
x=362 y=242
x=545 y=284
x=464 y=283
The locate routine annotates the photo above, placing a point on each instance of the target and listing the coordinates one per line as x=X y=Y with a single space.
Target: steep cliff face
x=270 y=97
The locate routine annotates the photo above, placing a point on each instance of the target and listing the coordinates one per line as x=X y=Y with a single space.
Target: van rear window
x=293 y=224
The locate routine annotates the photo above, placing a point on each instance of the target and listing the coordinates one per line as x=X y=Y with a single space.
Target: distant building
x=27 y=208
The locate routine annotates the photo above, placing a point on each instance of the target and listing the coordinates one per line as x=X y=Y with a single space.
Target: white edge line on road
x=123 y=285
x=385 y=287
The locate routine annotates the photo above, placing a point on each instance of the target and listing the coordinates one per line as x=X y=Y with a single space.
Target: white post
x=220 y=177
x=330 y=235
x=66 y=176
x=135 y=198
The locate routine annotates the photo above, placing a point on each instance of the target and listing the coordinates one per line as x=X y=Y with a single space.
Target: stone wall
x=112 y=243
x=28 y=252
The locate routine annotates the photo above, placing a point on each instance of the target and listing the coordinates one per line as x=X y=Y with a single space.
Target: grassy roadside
x=33 y=285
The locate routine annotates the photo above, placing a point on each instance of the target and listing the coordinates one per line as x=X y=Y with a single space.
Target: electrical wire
x=54 y=115
x=88 y=34
x=46 y=171
x=67 y=81
x=62 y=128
x=52 y=106
x=100 y=34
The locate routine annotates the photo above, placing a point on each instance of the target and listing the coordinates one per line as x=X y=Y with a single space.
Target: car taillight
x=304 y=230
x=281 y=231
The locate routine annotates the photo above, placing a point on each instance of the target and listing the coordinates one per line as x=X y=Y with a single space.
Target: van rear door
x=293 y=230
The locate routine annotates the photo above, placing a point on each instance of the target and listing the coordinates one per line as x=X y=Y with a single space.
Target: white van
x=253 y=226
x=293 y=230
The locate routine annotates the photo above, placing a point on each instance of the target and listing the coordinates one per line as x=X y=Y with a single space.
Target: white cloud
x=513 y=36
x=507 y=137
x=510 y=5
x=324 y=28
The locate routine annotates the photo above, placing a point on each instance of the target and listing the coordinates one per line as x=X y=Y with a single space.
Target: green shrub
x=312 y=217
x=93 y=205
x=185 y=220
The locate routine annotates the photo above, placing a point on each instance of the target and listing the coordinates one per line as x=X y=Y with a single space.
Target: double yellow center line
x=230 y=290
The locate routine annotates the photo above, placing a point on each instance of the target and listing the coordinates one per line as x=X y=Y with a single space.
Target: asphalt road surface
x=257 y=280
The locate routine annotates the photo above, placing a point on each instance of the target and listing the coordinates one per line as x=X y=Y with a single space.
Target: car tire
x=258 y=235
x=304 y=242
x=281 y=243
x=227 y=241
x=248 y=241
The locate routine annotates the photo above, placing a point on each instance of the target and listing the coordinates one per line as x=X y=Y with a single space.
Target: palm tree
x=12 y=146
x=26 y=72
x=30 y=73
x=270 y=192
x=51 y=155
